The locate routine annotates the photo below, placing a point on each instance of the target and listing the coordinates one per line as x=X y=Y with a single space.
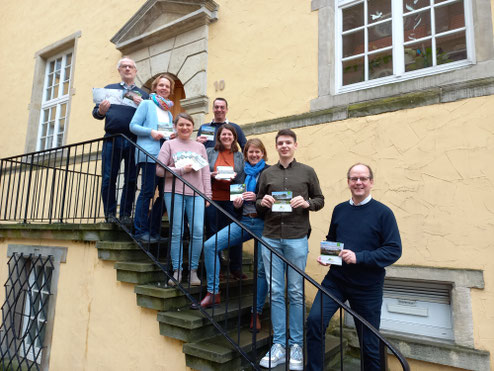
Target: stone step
x=191 y=325
x=138 y=272
x=218 y=353
x=159 y=296
x=119 y=250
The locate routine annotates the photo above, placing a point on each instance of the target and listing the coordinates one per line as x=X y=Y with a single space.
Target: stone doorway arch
x=172 y=36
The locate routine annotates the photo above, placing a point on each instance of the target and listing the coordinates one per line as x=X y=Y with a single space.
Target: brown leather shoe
x=258 y=323
x=238 y=275
x=210 y=300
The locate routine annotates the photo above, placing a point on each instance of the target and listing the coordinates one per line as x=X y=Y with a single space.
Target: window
x=53 y=117
x=382 y=41
x=29 y=307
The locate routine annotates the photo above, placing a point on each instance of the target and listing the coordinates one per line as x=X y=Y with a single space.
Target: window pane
x=418 y=56
x=353 y=71
x=52 y=67
x=380 y=64
x=411 y=5
x=59 y=140
x=353 y=17
x=68 y=60
x=56 y=85
x=380 y=36
x=353 y=43
x=378 y=10
x=417 y=25
x=449 y=17
x=451 y=48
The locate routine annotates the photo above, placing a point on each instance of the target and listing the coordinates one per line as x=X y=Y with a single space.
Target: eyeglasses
x=363 y=179
x=125 y=66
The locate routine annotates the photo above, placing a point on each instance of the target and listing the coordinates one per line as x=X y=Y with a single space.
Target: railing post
x=28 y=187
x=62 y=207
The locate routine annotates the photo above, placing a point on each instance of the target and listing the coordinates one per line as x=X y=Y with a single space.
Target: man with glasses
x=287 y=192
x=372 y=241
x=117 y=119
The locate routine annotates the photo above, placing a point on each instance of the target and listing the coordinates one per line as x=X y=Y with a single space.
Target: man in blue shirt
x=220 y=109
x=117 y=118
x=372 y=241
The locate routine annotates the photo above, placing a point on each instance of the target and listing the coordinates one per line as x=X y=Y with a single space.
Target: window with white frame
x=54 y=106
x=380 y=41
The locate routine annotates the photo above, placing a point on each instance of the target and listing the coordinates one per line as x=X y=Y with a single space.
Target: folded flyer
x=225 y=172
x=330 y=251
x=114 y=96
x=166 y=129
x=236 y=191
x=208 y=131
x=184 y=158
x=282 y=202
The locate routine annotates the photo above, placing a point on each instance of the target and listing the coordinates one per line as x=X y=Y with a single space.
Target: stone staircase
x=204 y=347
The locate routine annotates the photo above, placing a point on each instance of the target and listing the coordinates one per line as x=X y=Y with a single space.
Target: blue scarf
x=252 y=173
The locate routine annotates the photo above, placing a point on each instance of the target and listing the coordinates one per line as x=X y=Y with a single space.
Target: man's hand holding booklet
x=330 y=252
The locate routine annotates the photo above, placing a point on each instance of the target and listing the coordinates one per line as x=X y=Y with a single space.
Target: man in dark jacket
x=117 y=118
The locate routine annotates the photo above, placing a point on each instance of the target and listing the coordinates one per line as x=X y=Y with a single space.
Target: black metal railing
x=63 y=185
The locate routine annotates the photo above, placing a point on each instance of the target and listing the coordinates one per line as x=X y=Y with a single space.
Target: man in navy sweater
x=372 y=241
x=117 y=119
x=220 y=109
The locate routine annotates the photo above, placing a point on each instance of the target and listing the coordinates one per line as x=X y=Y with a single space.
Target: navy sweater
x=371 y=232
x=118 y=117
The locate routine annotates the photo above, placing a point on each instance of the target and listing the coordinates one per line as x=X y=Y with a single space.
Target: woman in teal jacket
x=151 y=123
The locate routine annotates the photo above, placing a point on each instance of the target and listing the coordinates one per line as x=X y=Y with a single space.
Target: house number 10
x=219 y=85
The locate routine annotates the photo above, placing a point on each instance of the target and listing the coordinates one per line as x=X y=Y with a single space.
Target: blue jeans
x=114 y=151
x=295 y=251
x=229 y=236
x=193 y=207
x=215 y=221
x=366 y=301
x=149 y=181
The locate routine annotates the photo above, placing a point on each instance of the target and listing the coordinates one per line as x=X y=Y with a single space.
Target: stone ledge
x=442 y=94
x=428 y=350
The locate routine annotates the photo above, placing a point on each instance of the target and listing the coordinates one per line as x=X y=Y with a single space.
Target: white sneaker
x=296 y=357
x=274 y=357
x=177 y=275
x=194 y=280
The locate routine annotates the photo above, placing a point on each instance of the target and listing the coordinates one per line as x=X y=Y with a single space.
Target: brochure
x=208 y=131
x=166 y=129
x=236 y=191
x=330 y=251
x=114 y=96
x=225 y=172
x=282 y=202
x=184 y=158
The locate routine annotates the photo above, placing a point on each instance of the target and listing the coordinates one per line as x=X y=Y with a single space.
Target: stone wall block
x=193 y=65
x=179 y=55
x=192 y=36
x=140 y=55
x=159 y=63
x=196 y=85
x=143 y=71
x=162 y=46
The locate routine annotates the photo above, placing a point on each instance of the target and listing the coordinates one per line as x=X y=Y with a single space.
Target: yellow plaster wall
x=266 y=52
x=98 y=325
x=433 y=166
x=29 y=26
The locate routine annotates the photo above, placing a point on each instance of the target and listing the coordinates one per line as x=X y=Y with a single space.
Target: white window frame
x=56 y=102
x=397 y=47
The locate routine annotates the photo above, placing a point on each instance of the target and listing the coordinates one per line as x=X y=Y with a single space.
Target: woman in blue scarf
x=255 y=163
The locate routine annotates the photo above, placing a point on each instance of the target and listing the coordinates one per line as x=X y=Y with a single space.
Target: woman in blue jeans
x=255 y=157
x=149 y=118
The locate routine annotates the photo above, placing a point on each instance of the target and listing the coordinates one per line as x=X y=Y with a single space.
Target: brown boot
x=258 y=323
x=209 y=300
